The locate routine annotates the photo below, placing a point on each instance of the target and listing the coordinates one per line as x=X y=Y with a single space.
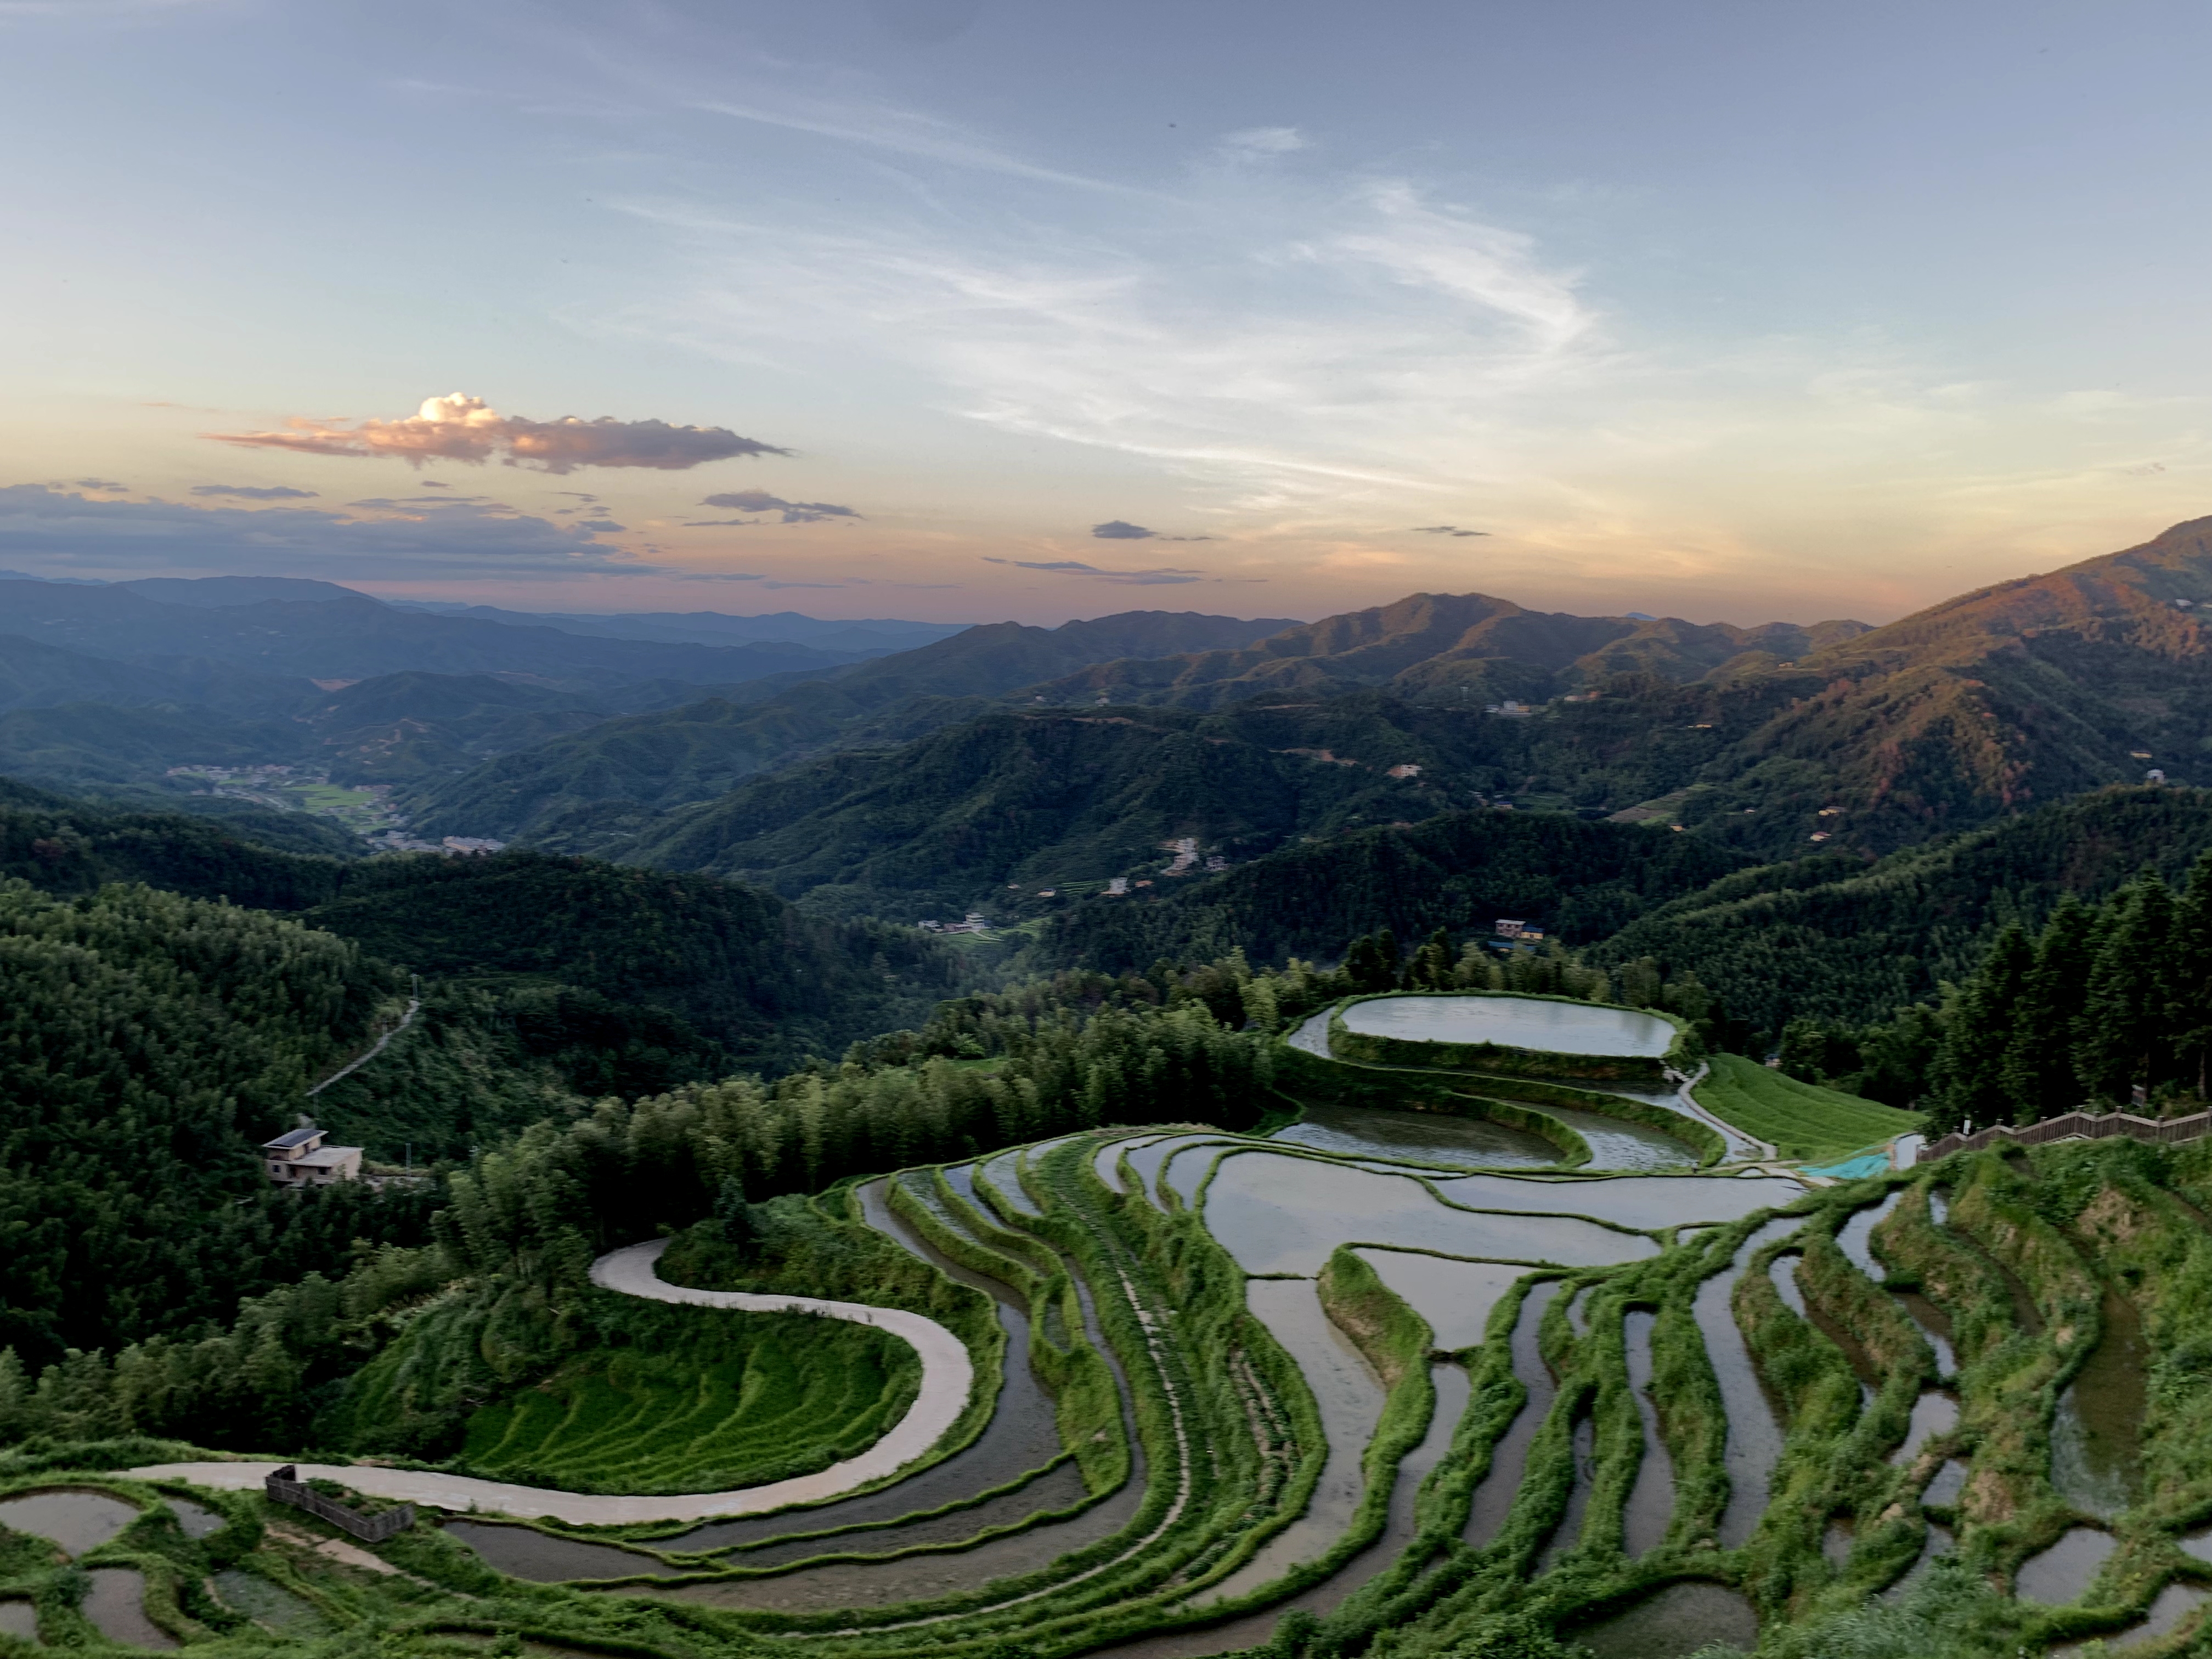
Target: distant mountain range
x=909 y=777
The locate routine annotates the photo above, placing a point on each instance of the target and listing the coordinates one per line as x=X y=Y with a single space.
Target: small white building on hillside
x=300 y=1159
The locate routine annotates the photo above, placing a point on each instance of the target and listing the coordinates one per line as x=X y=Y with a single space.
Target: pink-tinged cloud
x=460 y=427
x=1164 y=576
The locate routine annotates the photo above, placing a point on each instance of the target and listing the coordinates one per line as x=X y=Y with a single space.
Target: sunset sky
x=967 y=309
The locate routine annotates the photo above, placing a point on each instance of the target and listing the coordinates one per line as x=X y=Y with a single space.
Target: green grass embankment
x=1801 y=1120
x=714 y=1403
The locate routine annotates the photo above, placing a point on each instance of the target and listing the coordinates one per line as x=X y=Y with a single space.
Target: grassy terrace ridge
x=731 y=1403
x=1801 y=1120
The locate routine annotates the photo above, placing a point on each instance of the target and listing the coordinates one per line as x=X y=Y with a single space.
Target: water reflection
x=116 y=1604
x=2096 y=1434
x=2058 y=1575
x=1754 y=1439
x=1493 y=1498
x=1651 y=1499
x=78 y=1521
x=1350 y=1395
x=1558 y=1028
x=1425 y=1137
x=1455 y=1297
x=1569 y=1531
x=1278 y=1214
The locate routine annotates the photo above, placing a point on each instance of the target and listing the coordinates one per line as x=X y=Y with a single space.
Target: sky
x=969 y=310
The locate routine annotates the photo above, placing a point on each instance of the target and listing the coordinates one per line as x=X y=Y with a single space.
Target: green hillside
x=1578 y=881
x=1800 y=1119
x=1832 y=938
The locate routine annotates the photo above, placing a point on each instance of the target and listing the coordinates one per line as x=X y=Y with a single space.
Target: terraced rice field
x=741 y=1403
x=1248 y=1379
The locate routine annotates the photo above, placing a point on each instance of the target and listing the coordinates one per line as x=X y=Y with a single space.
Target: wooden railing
x=285 y=1486
x=2082 y=1126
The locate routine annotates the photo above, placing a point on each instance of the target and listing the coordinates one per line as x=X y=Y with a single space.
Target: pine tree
x=2038 y=1071
x=1978 y=1031
x=2127 y=1020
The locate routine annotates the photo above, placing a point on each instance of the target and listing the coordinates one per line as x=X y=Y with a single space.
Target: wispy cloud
x=251 y=492
x=461 y=428
x=1313 y=346
x=1162 y=576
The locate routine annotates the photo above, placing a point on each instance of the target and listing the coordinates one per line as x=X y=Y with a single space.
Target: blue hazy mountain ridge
x=356 y=637
x=693 y=752
x=879 y=634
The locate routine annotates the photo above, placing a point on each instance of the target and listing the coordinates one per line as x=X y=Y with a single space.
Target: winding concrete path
x=948 y=1376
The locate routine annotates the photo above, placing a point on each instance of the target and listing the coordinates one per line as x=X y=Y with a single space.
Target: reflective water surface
x=1455 y=1297
x=1558 y=1028
x=1278 y=1214
x=1425 y=1137
x=2059 y=1575
x=1754 y=1439
x=78 y=1521
x=1651 y=1499
x=1493 y=1498
x=116 y=1604
x=2096 y=1431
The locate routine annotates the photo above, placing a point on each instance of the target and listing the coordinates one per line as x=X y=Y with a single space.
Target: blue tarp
x=1855 y=1169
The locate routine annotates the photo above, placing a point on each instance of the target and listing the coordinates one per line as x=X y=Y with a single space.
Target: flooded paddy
x=1783 y=1270
x=1558 y=1028
x=1617 y=1144
x=19 y=1619
x=2096 y=1433
x=2167 y=1612
x=1312 y=1035
x=1107 y=1162
x=1652 y=1500
x=1934 y=1326
x=1062 y=1488
x=1934 y=1415
x=543 y=1559
x=2059 y=1575
x=1568 y=1532
x=195 y=1520
x=1145 y=1160
x=1003 y=1176
x=1673 y=1624
x=1645 y=1202
x=1754 y=1437
x=1855 y=1238
x=1420 y=1137
x=1350 y=1395
x=1455 y=1297
x=1253 y=1629
x=78 y=1521
x=1948 y=1486
x=1283 y=1215
x=1493 y=1497
x=116 y=1605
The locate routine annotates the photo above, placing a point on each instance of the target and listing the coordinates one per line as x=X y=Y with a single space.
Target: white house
x=300 y=1159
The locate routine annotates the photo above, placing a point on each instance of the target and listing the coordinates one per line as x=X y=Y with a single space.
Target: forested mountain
x=148 y=1042
x=74 y=847
x=1579 y=881
x=1468 y=646
x=1835 y=939
x=35 y=674
x=692 y=753
x=767 y=983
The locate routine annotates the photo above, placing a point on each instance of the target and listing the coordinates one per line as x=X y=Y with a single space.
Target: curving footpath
x=948 y=1376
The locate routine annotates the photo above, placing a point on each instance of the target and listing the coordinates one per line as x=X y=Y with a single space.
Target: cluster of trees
x=2111 y=1004
x=2105 y=1005
x=148 y=1043
x=519 y=1226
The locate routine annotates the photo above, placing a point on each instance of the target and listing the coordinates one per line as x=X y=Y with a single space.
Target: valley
x=1389 y=1172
